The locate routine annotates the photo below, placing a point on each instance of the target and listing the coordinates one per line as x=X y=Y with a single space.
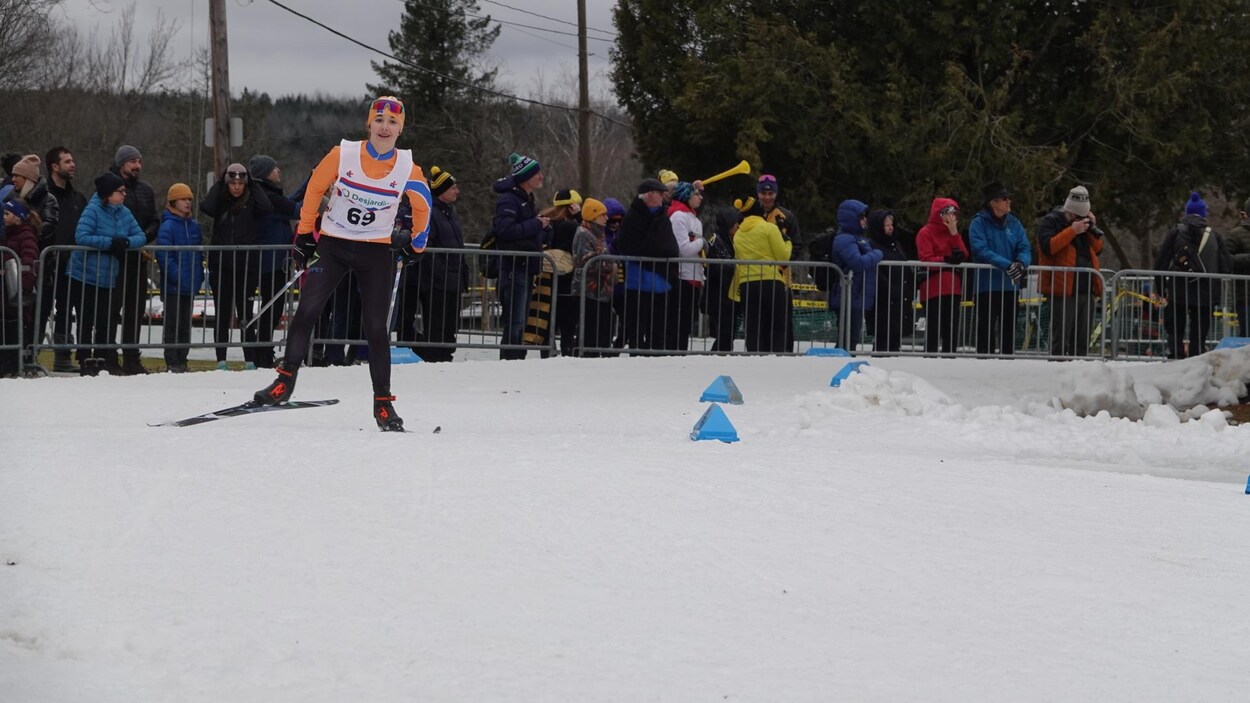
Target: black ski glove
x=401 y=240
x=303 y=250
x=957 y=256
x=1019 y=273
x=119 y=246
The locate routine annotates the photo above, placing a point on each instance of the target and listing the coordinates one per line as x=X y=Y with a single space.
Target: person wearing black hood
x=896 y=285
x=722 y=311
x=238 y=206
x=132 y=281
x=1192 y=247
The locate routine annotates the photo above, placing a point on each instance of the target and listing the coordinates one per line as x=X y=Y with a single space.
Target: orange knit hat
x=384 y=104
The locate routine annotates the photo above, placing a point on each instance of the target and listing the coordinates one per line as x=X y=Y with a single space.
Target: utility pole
x=583 y=102
x=221 y=84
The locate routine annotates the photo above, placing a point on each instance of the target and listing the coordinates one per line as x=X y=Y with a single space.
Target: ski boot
x=385 y=415
x=280 y=390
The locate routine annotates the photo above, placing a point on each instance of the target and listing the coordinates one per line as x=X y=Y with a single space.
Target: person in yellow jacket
x=378 y=209
x=761 y=288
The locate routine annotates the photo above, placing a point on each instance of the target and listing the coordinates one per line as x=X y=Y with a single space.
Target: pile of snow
x=1214 y=379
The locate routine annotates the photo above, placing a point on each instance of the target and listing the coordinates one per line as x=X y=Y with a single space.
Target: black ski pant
x=374 y=268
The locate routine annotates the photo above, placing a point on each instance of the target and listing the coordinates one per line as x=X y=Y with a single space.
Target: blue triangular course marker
x=828 y=351
x=404 y=355
x=850 y=368
x=722 y=390
x=714 y=425
x=1233 y=342
x=1248 y=486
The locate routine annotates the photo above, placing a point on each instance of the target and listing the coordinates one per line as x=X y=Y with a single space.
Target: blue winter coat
x=852 y=251
x=182 y=272
x=99 y=224
x=997 y=244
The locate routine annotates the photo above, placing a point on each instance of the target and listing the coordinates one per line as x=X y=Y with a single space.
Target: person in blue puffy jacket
x=107 y=227
x=998 y=239
x=853 y=252
x=182 y=273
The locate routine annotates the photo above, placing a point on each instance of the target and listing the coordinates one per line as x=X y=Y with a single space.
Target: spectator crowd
x=738 y=268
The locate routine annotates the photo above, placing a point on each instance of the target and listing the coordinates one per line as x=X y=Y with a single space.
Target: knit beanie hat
x=125 y=153
x=107 y=183
x=683 y=191
x=17 y=208
x=260 y=166
x=567 y=197
x=523 y=168
x=1077 y=202
x=615 y=209
x=440 y=181
x=1196 y=205
x=592 y=209
x=179 y=191
x=384 y=104
x=27 y=167
x=667 y=177
x=766 y=184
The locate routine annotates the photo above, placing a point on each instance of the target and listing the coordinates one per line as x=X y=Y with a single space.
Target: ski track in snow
x=933 y=529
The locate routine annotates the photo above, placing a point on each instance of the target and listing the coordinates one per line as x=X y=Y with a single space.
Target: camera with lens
x=1093 y=228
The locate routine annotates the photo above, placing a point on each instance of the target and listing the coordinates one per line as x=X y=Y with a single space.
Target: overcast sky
x=274 y=51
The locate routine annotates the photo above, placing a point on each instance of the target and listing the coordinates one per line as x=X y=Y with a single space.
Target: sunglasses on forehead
x=236 y=175
x=387 y=105
x=949 y=210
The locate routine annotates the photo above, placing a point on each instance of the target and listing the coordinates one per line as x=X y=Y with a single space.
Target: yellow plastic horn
x=742 y=167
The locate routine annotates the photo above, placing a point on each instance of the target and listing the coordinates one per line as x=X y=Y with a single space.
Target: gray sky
x=279 y=53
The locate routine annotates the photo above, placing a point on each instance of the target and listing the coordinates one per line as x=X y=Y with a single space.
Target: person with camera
x=1192 y=247
x=1069 y=237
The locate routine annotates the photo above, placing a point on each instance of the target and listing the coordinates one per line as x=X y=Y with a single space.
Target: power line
x=504 y=22
x=553 y=19
x=431 y=72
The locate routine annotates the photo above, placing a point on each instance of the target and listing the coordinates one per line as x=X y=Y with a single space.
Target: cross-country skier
x=367 y=182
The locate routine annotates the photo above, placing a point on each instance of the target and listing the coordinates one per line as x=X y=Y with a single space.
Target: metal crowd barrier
x=517 y=302
x=974 y=310
x=12 y=303
x=685 y=306
x=1174 y=315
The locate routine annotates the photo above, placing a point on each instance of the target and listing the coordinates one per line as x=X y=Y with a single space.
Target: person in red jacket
x=942 y=292
x=17 y=274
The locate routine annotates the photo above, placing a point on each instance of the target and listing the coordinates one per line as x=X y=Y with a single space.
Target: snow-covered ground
x=931 y=530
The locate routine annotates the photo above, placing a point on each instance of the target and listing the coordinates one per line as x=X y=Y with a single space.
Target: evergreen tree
x=894 y=103
x=438 y=35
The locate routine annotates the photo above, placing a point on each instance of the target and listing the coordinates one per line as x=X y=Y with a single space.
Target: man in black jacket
x=132 y=280
x=646 y=231
x=61 y=172
x=438 y=279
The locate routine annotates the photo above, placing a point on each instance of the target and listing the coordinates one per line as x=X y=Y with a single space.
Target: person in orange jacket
x=362 y=232
x=1068 y=236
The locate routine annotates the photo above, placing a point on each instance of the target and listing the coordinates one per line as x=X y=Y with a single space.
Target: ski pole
x=282 y=291
x=390 y=311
